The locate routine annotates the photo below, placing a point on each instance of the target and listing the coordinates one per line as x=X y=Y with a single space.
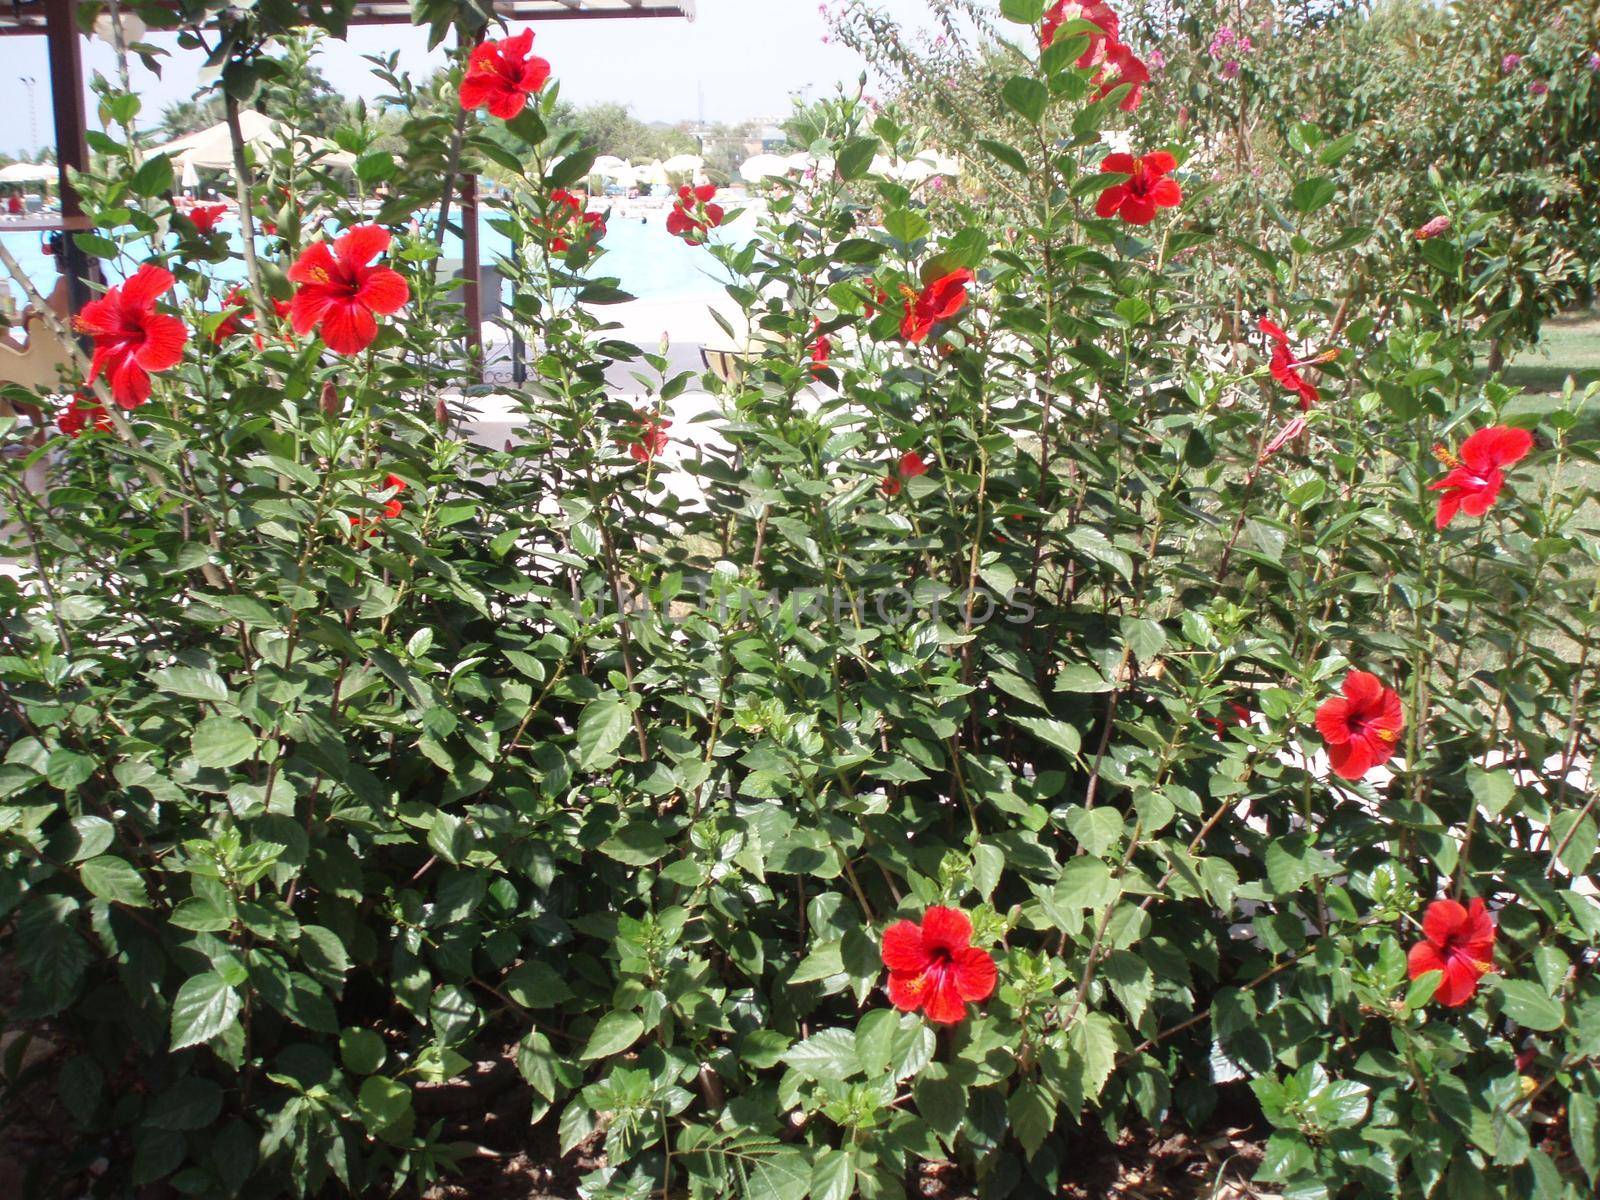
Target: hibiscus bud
x=1433 y=228
x=330 y=399
x=441 y=413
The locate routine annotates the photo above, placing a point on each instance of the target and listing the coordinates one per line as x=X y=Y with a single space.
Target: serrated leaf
x=204 y=1007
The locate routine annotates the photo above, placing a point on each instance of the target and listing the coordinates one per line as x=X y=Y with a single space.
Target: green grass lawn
x=1569 y=345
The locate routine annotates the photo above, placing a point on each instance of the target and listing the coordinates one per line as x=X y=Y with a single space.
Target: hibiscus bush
x=1022 y=699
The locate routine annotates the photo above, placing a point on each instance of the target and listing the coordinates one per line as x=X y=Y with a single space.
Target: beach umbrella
x=938 y=164
x=651 y=174
x=23 y=172
x=683 y=164
x=765 y=166
x=212 y=149
x=191 y=177
x=609 y=166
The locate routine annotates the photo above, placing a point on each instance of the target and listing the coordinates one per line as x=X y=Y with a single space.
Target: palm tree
x=189 y=116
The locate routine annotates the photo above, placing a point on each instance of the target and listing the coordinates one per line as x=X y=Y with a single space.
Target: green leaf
x=1098 y=830
x=114 y=879
x=874 y=1045
x=535 y=985
x=855 y=158
x=192 y=683
x=1528 y=1005
x=1493 y=790
x=828 y=1055
x=191 y=1103
x=1026 y=97
x=833 y=1177
x=1023 y=12
x=602 y=725
x=1032 y=1114
x=222 y=742
x=204 y=1007
x=1059 y=734
x=153 y=178
x=1003 y=153
x=1312 y=194
x=384 y=1104
x=361 y=1050
x=613 y=1034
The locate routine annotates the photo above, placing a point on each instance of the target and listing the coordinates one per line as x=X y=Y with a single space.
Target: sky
x=738 y=60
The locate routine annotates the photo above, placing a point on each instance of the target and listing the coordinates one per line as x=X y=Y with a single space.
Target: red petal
x=1111 y=200
x=946 y=929
x=1351 y=760
x=1443 y=920
x=906 y=992
x=148 y=283
x=507 y=102
x=902 y=948
x=1138 y=210
x=383 y=291
x=1448 y=507
x=1274 y=331
x=1333 y=721
x=1424 y=957
x=164 y=337
x=975 y=974
x=1122 y=164
x=348 y=327
x=1460 y=982
x=1166 y=193
x=358 y=246
x=130 y=385
x=315 y=266
x=1364 y=690
x=308 y=307
x=476 y=90
x=1160 y=162
x=1496 y=446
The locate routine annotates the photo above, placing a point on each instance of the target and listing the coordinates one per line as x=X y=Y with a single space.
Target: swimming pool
x=650 y=262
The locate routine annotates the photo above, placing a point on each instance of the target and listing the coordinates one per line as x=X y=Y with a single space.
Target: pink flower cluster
x=1230 y=47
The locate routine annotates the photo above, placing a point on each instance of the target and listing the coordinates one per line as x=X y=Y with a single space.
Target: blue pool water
x=650 y=262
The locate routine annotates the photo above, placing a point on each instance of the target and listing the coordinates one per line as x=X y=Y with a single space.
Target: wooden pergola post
x=72 y=147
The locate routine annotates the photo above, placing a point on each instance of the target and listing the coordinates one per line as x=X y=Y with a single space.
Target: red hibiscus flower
x=911 y=465
x=131 y=338
x=207 y=216
x=938 y=302
x=1475 y=478
x=1233 y=713
x=876 y=298
x=1460 y=943
x=1361 y=727
x=935 y=967
x=237 y=306
x=1285 y=367
x=392 y=507
x=1282 y=438
x=502 y=75
x=1125 y=67
x=82 y=412
x=569 y=225
x=1147 y=188
x=1096 y=12
x=694 y=215
x=650 y=438
x=341 y=292
x=821 y=349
